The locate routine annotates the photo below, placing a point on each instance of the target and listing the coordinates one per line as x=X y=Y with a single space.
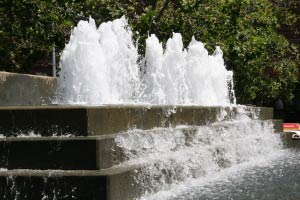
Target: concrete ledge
x=80 y=152
x=99 y=120
x=44 y=120
x=48 y=154
x=111 y=184
x=39 y=187
x=22 y=89
x=65 y=173
x=59 y=153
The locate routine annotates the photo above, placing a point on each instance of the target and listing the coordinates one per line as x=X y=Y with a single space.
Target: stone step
x=109 y=184
x=40 y=188
x=65 y=153
x=108 y=119
x=80 y=152
x=114 y=183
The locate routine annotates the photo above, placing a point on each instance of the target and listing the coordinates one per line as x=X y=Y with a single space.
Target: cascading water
x=100 y=66
x=175 y=160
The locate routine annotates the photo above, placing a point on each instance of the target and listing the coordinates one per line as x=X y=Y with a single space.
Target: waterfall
x=174 y=160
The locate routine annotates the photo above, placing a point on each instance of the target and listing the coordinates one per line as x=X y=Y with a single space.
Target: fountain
x=100 y=66
x=157 y=126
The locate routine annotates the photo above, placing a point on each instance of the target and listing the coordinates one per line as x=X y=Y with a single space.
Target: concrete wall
x=22 y=89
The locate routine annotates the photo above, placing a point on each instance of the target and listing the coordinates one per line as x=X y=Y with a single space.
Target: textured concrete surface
x=22 y=89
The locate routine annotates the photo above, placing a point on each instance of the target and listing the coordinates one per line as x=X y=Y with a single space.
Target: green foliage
x=265 y=64
x=26 y=35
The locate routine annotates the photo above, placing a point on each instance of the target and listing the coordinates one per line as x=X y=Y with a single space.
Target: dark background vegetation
x=258 y=37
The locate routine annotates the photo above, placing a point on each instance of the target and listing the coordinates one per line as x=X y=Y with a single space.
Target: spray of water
x=100 y=66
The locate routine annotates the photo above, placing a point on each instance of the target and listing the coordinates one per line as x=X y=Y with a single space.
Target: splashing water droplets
x=100 y=66
x=175 y=157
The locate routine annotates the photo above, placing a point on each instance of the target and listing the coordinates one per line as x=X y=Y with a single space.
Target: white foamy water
x=176 y=159
x=185 y=76
x=100 y=66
